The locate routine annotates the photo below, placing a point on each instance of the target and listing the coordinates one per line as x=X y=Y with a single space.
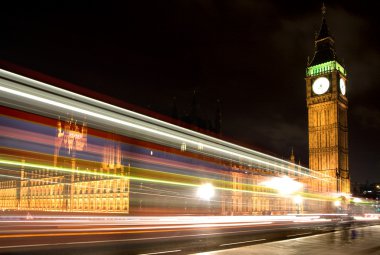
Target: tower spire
x=292 y=158
x=324 y=30
x=324 y=43
x=323 y=9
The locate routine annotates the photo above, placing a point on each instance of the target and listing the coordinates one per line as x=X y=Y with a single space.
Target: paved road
x=358 y=241
x=159 y=235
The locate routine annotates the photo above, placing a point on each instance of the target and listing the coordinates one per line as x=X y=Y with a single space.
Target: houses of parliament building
x=71 y=184
x=118 y=182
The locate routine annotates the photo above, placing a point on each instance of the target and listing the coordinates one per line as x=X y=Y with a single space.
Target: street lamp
x=337 y=204
x=206 y=191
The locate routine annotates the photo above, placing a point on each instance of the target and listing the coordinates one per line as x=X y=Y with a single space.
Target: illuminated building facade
x=76 y=186
x=251 y=196
x=326 y=81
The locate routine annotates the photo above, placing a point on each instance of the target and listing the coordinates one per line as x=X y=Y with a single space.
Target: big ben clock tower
x=326 y=97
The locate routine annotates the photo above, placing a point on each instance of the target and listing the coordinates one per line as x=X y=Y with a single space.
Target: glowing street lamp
x=206 y=191
x=337 y=203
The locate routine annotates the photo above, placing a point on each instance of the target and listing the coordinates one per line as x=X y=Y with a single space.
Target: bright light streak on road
x=163 y=220
x=89 y=230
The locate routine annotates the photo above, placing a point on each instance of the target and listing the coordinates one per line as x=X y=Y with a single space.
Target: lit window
x=183 y=146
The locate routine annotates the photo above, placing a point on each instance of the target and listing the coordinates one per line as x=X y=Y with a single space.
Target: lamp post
x=337 y=204
x=206 y=192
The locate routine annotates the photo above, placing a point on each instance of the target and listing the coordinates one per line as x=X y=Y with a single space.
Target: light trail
x=106 y=236
x=60 y=169
x=196 y=183
x=91 y=101
x=191 y=170
x=128 y=221
x=98 y=150
x=163 y=228
x=117 y=240
x=83 y=229
x=106 y=112
x=78 y=230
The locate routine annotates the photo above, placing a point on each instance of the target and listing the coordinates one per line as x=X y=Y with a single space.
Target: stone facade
x=327 y=114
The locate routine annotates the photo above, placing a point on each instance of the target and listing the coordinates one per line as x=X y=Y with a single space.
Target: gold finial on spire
x=323 y=9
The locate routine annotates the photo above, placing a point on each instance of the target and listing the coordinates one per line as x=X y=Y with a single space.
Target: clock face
x=321 y=85
x=342 y=86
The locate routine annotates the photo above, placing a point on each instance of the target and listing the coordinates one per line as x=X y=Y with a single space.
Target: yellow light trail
x=159 y=128
x=247 y=188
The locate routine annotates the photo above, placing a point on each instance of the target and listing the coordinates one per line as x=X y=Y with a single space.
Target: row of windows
x=77 y=205
x=80 y=188
x=257 y=205
x=7 y=184
x=47 y=192
x=8 y=193
x=37 y=179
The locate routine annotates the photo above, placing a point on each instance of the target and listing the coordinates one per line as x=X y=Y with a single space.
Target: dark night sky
x=250 y=54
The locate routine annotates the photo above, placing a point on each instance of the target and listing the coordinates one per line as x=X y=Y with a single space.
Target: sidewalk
x=359 y=241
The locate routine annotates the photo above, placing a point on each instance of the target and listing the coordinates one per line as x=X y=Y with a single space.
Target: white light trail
x=113 y=114
x=56 y=90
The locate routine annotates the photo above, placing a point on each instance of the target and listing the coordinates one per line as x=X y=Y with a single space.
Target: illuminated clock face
x=342 y=86
x=321 y=85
